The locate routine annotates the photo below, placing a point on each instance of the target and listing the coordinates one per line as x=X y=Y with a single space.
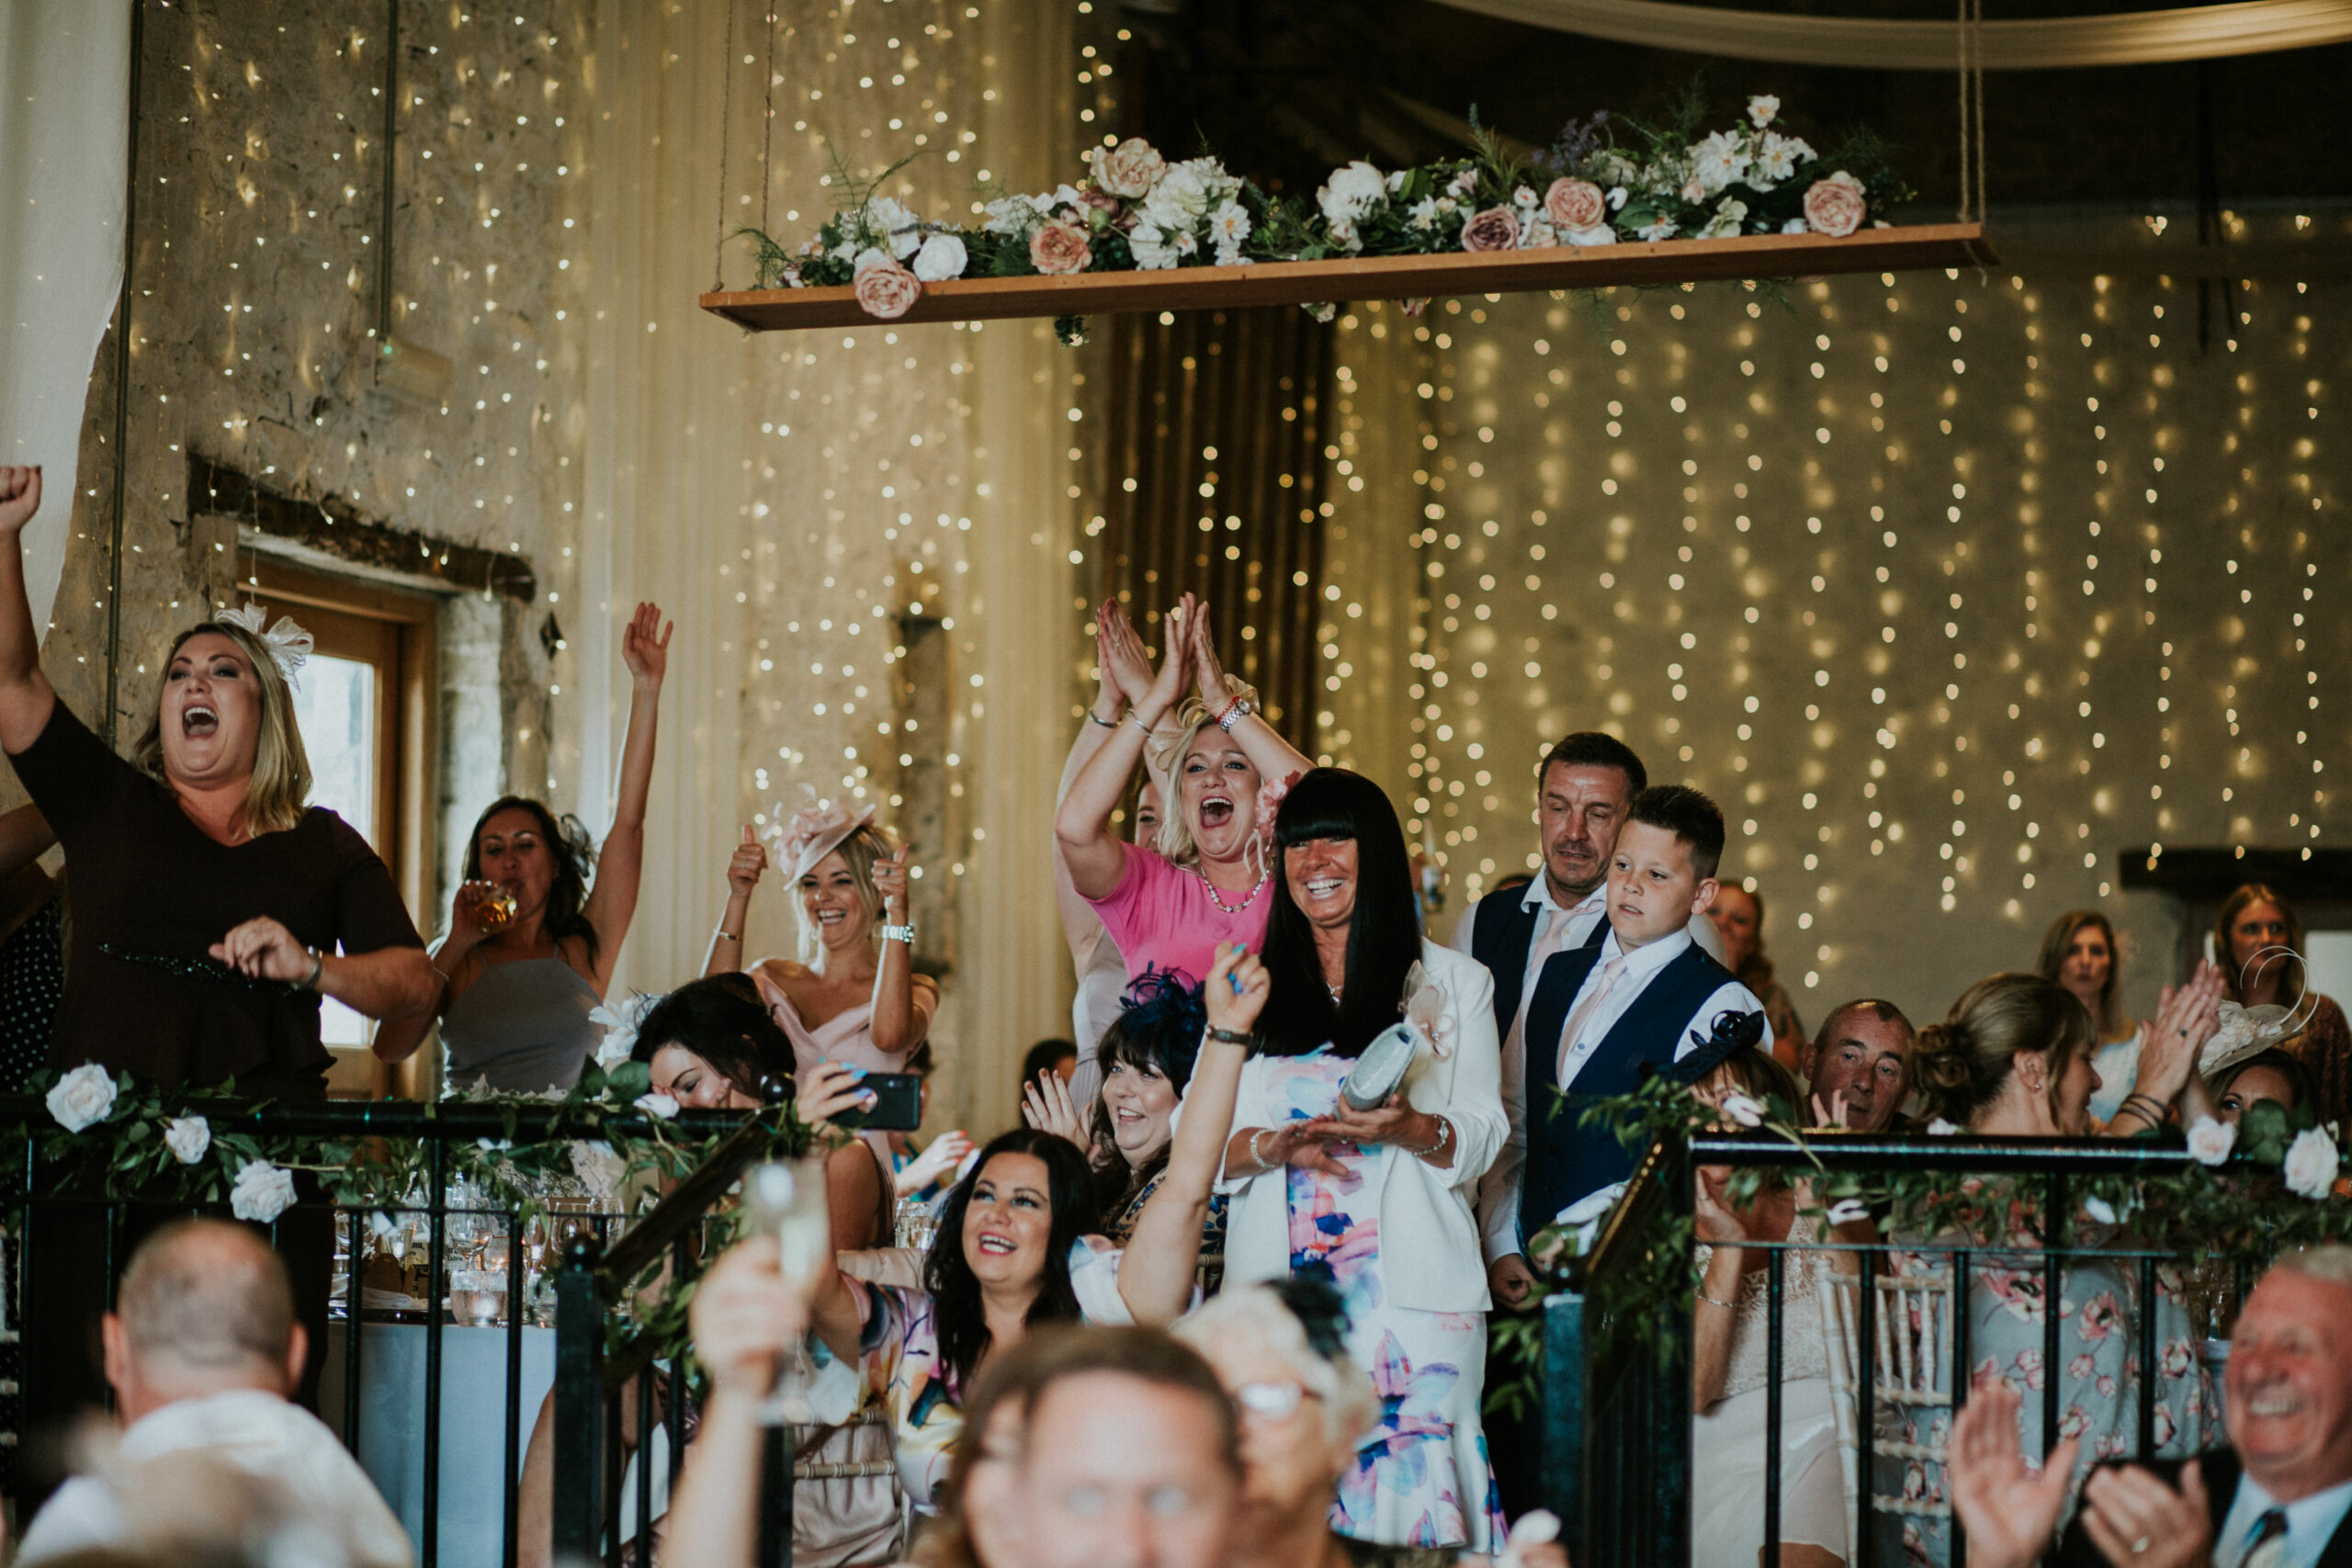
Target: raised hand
x=1829 y=1117
x=744 y=866
x=1174 y=656
x=2010 y=1512
x=2185 y=1020
x=1046 y=1105
x=645 y=645
x=935 y=1164
x=1711 y=1215
x=1208 y=675
x=745 y=1315
x=19 y=497
x=466 y=929
x=2134 y=1517
x=1237 y=988
x=1126 y=666
x=263 y=950
x=890 y=882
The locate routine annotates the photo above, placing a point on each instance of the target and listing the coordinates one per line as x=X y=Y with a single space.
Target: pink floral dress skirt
x=1421 y=1475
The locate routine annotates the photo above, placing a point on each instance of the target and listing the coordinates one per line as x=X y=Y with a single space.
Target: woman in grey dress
x=532 y=941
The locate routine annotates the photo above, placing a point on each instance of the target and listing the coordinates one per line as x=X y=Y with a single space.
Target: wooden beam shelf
x=1910 y=247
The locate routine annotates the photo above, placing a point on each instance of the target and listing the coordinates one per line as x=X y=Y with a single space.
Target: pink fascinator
x=1270 y=794
x=814 y=832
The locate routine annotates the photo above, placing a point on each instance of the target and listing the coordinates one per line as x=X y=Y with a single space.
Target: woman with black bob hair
x=1147 y=1059
x=1377 y=1199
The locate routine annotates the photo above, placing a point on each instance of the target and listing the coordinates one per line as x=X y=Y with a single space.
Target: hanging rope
x=767 y=132
x=726 y=101
x=1971 y=32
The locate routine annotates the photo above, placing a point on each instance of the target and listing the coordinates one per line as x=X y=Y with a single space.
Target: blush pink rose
x=887 y=290
x=1058 y=248
x=1574 y=204
x=1496 y=229
x=1835 y=206
x=1130 y=169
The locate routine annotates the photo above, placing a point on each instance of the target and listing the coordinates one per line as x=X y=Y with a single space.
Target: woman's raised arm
x=26 y=696
x=612 y=902
x=1097 y=861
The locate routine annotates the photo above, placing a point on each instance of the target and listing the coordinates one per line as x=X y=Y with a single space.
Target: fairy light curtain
x=1948 y=588
x=800 y=502
x=1208 y=478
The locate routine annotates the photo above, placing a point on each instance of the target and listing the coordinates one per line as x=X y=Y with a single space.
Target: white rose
x=1351 y=192
x=895 y=222
x=868 y=259
x=1181 y=190
x=941 y=258
x=659 y=1106
x=1719 y=160
x=1794 y=226
x=82 y=1097
x=2100 y=1209
x=1596 y=234
x=187 y=1138
x=1939 y=1128
x=262 y=1193
x=2311 y=1164
x=1129 y=169
x=1743 y=1110
x=1015 y=215
x=2209 y=1142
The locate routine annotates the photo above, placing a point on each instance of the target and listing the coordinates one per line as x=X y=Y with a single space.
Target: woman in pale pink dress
x=852 y=995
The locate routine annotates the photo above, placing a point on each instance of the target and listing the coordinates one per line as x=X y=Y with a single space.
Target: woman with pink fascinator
x=851 y=995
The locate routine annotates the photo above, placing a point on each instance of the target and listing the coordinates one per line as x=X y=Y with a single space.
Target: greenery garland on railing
x=2242 y=1195
x=110 y=1137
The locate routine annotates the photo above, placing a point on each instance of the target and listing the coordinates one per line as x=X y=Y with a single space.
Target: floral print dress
x=898 y=1350
x=1421 y=1475
x=2099 y=1372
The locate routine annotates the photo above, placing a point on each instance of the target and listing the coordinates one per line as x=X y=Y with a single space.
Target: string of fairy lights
x=1932 y=581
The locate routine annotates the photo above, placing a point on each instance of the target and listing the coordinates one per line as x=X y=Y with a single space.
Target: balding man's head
x=205 y=1306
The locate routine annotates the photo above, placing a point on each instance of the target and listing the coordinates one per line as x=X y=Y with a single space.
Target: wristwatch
x=905 y=933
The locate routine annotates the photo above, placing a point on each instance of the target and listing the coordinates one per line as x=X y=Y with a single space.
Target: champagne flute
x=788 y=1201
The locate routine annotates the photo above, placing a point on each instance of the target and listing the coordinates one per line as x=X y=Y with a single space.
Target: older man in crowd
x=202 y=1352
x=2277 y=1497
x=1859 y=1055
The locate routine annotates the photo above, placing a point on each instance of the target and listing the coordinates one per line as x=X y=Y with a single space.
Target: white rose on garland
x=2210 y=1141
x=82 y=1097
x=187 y=1138
x=659 y=1106
x=263 y=1193
x=893 y=224
x=2310 y=1164
x=1720 y=161
x=1349 y=196
x=942 y=256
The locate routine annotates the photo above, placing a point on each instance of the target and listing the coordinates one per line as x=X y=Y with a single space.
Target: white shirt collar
x=1646 y=960
x=1537 y=896
x=2311 y=1521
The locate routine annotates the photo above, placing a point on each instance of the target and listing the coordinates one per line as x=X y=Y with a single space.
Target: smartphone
x=897 y=1104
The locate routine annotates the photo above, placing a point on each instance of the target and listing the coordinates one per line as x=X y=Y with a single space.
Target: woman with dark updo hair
x=531 y=939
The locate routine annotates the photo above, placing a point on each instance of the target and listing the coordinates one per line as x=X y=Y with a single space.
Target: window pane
x=334 y=701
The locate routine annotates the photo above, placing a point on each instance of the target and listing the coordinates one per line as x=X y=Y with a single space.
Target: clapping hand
x=2010 y=1512
x=2134 y=1517
x=1125 y=667
x=645 y=645
x=1046 y=1105
x=1207 y=673
x=1174 y=656
x=744 y=866
x=20 y=499
x=2186 y=1016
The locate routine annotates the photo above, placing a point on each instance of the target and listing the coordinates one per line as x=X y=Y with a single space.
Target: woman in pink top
x=1162 y=912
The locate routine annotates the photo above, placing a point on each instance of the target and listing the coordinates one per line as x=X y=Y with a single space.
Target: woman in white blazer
x=1378 y=1200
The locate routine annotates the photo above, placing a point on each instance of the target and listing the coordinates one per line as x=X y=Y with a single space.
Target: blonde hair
x=1258 y=1313
x=1960 y=1065
x=1173 y=837
x=279 y=789
x=858 y=852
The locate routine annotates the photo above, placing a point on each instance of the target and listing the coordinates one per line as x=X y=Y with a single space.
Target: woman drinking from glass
x=532 y=941
x=1379 y=1197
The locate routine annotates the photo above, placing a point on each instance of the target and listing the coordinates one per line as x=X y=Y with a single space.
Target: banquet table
x=390 y=1445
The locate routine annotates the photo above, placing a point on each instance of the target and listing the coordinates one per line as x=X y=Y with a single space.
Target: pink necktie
x=1554 y=938
x=1585 y=1010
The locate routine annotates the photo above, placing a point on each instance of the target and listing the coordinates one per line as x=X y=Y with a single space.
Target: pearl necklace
x=1218 y=900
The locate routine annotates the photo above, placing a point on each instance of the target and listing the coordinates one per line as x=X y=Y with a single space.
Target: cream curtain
x=2131 y=38
x=788 y=497
x=64 y=135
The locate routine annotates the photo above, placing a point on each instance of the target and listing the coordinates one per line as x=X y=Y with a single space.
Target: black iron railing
x=1617 y=1383
x=65 y=1246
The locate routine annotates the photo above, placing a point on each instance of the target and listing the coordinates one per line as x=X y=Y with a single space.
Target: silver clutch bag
x=1380 y=1067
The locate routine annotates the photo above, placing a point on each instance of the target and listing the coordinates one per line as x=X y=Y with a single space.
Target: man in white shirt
x=201 y=1352
x=2277 y=1497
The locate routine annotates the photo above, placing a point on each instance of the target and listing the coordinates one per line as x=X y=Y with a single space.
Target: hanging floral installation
x=1137 y=211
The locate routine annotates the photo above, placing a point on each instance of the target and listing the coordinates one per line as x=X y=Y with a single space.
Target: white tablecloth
x=471 y=1505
